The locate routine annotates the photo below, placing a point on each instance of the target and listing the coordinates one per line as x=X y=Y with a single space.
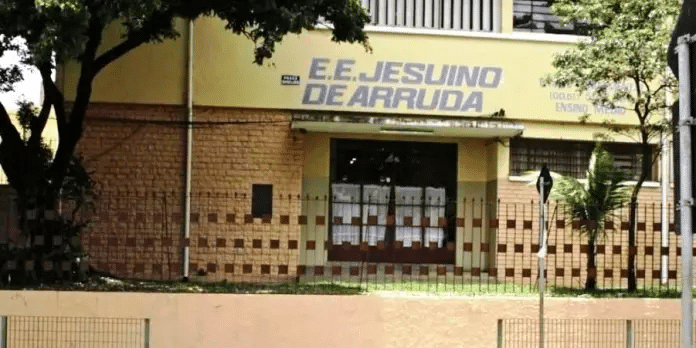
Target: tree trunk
x=646 y=165
x=633 y=207
x=591 y=281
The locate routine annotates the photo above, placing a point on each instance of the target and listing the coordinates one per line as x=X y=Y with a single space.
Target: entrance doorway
x=394 y=196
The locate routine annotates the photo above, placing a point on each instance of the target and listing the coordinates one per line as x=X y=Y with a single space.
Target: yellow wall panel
x=469 y=76
x=150 y=74
x=472 y=161
x=407 y=73
x=317 y=153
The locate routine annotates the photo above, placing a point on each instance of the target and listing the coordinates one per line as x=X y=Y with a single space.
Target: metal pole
x=500 y=333
x=664 y=216
x=3 y=331
x=666 y=178
x=189 y=152
x=147 y=333
x=685 y=188
x=629 y=334
x=542 y=259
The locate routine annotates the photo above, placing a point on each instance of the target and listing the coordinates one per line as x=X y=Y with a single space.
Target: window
x=469 y=15
x=411 y=182
x=569 y=157
x=538 y=16
x=261 y=200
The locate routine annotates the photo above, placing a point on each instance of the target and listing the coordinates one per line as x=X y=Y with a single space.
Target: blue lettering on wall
x=409 y=85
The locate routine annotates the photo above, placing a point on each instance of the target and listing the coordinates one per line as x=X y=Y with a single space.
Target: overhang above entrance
x=440 y=127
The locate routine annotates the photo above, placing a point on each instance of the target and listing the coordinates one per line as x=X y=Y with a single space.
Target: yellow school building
x=411 y=153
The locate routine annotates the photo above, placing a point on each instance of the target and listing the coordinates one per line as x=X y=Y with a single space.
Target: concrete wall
x=201 y=320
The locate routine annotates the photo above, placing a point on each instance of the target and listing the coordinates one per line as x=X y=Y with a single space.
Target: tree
x=51 y=32
x=593 y=201
x=76 y=196
x=686 y=25
x=622 y=65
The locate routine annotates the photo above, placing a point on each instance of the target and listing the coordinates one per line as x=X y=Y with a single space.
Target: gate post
x=3 y=331
x=146 y=334
x=629 y=334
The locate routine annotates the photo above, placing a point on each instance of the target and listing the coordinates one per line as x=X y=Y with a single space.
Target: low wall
x=305 y=321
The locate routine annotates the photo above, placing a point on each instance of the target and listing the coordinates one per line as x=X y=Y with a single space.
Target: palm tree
x=593 y=200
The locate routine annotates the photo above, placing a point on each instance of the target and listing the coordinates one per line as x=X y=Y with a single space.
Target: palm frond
x=594 y=199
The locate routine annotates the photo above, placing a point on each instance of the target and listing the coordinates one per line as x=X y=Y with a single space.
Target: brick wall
x=518 y=231
x=521 y=192
x=261 y=149
x=140 y=166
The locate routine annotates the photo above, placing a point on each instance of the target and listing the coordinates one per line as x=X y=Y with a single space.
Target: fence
x=465 y=244
x=590 y=333
x=73 y=332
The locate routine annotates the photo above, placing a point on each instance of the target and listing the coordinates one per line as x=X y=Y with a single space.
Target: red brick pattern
x=139 y=222
x=518 y=201
x=143 y=165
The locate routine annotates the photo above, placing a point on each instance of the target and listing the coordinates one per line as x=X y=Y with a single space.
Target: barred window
x=538 y=16
x=465 y=15
x=570 y=157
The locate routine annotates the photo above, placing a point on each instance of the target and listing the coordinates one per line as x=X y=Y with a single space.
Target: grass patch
x=424 y=286
x=615 y=293
x=103 y=283
x=329 y=286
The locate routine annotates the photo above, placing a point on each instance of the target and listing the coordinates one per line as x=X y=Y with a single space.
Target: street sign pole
x=542 y=260
x=543 y=185
x=685 y=187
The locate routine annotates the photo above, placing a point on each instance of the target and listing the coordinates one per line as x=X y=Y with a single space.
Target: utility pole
x=686 y=202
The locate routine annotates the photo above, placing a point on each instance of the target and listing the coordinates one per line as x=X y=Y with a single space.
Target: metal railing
x=73 y=332
x=597 y=333
x=480 y=246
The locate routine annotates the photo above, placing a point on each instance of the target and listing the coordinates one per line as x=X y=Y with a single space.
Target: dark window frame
x=262 y=200
x=437 y=15
x=429 y=151
x=538 y=16
x=571 y=158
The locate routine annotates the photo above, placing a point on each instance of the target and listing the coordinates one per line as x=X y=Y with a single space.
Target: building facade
x=212 y=165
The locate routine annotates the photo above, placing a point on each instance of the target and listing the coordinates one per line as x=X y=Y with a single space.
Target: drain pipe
x=665 y=155
x=189 y=152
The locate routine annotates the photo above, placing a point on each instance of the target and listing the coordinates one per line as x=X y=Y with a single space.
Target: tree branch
x=119 y=50
x=11 y=150
x=157 y=21
x=70 y=130
x=39 y=124
x=636 y=105
x=664 y=86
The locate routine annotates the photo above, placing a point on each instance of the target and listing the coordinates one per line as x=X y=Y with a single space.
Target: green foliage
x=623 y=62
x=50 y=32
x=603 y=192
x=78 y=185
x=76 y=196
x=64 y=28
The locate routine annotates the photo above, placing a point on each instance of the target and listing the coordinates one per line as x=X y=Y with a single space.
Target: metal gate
x=590 y=333
x=73 y=332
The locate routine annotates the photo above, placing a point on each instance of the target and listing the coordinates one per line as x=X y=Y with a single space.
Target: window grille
x=570 y=157
x=538 y=16
x=467 y=15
